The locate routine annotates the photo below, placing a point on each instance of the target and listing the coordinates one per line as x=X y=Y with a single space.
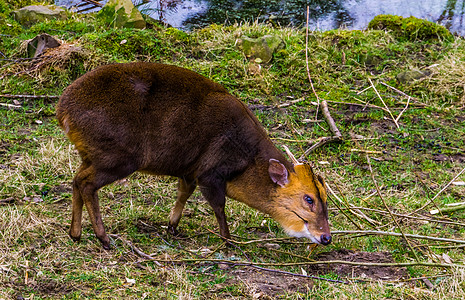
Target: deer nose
x=325 y=238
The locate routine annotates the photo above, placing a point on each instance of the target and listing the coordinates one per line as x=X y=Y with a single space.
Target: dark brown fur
x=165 y=120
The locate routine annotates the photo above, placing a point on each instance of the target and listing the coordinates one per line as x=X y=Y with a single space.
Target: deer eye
x=308 y=199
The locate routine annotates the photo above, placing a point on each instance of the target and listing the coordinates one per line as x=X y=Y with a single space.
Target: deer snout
x=325 y=239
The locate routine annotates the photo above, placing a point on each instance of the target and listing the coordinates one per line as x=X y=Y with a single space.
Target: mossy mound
x=411 y=28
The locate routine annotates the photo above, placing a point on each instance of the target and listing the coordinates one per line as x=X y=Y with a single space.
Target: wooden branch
x=306 y=61
x=440 y=192
x=413 y=236
x=28 y=96
x=448 y=209
x=330 y=120
x=10 y=106
x=327 y=262
x=135 y=249
x=433 y=220
x=406 y=106
x=337 y=136
x=379 y=96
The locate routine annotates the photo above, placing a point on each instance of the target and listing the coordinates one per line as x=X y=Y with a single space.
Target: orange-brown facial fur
x=297 y=216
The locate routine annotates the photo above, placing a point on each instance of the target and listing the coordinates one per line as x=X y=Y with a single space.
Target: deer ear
x=278 y=172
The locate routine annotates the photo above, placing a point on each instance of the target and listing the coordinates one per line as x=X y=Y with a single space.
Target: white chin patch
x=304 y=233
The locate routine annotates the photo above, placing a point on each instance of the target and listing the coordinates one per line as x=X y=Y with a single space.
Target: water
x=324 y=14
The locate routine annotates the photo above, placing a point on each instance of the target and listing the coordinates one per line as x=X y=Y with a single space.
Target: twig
x=340 y=209
x=326 y=262
x=329 y=119
x=289 y=103
x=408 y=216
x=28 y=96
x=135 y=249
x=379 y=96
x=387 y=207
x=406 y=106
x=403 y=94
x=366 y=151
x=306 y=60
x=337 y=136
x=439 y=193
x=415 y=236
x=11 y=106
x=355 y=211
x=448 y=209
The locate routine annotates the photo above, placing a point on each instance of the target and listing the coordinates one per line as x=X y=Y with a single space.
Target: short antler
x=291 y=156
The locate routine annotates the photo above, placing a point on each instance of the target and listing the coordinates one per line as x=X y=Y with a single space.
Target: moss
x=177 y=34
x=411 y=28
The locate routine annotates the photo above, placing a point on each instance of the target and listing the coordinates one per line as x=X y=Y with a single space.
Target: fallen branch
x=135 y=249
x=353 y=210
x=404 y=94
x=28 y=96
x=10 y=106
x=387 y=108
x=448 y=209
x=327 y=262
x=306 y=60
x=407 y=216
x=337 y=136
x=330 y=120
x=440 y=192
x=414 y=236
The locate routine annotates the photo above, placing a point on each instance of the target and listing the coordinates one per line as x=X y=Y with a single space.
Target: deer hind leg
x=77 y=204
x=86 y=184
x=216 y=197
x=185 y=190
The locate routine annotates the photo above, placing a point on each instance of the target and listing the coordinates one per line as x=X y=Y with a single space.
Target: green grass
x=410 y=164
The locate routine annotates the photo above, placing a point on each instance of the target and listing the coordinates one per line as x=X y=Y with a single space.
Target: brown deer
x=166 y=120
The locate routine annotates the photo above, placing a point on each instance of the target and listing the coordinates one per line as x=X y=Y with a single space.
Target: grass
x=410 y=164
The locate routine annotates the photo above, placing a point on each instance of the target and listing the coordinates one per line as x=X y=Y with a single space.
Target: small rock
x=409 y=77
x=260 y=49
x=271 y=246
x=30 y=15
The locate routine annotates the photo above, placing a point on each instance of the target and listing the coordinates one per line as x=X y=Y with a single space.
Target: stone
x=37 y=45
x=408 y=77
x=261 y=49
x=30 y=15
x=125 y=14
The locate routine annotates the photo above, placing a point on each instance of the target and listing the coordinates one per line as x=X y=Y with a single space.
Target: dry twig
x=337 y=136
x=387 y=108
x=387 y=207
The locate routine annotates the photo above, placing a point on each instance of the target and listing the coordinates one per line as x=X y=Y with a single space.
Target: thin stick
x=10 y=106
x=308 y=69
x=415 y=236
x=135 y=249
x=329 y=119
x=403 y=94
x=406 y=106
x=440 y=192
x=379 y=96
x=448 y=209
x=355 y=211
x=27 y=96
x=342 y=211
x=387 y=208
x=337 y=136
x=327 y=262
x=407 y=216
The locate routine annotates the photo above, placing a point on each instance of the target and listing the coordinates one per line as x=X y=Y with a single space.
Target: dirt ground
x=268 y=285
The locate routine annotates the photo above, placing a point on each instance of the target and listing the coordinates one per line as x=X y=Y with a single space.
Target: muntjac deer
x=166 y=120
